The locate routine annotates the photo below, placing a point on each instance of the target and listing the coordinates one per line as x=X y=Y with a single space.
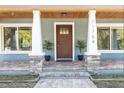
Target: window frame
x=17 y=25
x=111 y=25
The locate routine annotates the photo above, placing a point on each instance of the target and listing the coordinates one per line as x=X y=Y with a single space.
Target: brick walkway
x=65 y=83
x=64 y=75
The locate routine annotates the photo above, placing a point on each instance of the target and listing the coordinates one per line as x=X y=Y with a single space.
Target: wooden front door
x=64 y=41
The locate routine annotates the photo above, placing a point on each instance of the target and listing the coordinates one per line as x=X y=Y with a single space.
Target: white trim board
x=111 y=51
x=110 y=24
x=73 y=38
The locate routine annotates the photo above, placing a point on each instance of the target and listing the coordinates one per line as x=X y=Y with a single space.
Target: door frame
x=73 y=39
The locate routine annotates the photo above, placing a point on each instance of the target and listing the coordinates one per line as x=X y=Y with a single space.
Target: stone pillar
x=92 y=55
x=37 y=55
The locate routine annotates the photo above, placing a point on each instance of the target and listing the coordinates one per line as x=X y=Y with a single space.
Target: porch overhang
x=102 y=12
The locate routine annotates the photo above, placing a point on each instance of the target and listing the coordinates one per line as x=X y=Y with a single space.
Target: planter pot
x=80 y=57
x=47 y=57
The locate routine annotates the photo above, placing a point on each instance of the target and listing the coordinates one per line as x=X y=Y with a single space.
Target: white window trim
x=111 y=51
x=73 y=38
x=111 y=25
x=15 y=52
x=2 y=37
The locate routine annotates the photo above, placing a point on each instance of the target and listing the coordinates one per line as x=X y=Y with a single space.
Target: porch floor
x=65 y=64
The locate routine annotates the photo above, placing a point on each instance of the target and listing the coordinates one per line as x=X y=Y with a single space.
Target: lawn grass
x=109 y=81
x=112 y=76
x=13 y=81
x=109 y=84
x=23 y=77
x=17 y=84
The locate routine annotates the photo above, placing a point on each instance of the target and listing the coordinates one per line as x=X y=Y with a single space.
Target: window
x=103 y=38
x=17 y=38
x=117 y=39
x=110 y=38
x=10 y=38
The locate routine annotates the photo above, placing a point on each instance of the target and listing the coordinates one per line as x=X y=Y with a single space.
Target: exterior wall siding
x=81 y=28
x=14 y=57
x=112 y=56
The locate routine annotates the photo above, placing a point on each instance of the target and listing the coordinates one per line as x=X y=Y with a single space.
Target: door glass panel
x=64 y=31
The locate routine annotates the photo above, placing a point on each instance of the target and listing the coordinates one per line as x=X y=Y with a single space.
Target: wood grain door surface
x=64 y=41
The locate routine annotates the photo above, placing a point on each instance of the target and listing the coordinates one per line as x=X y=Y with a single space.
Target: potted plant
x=48 y=46
x=80 y=45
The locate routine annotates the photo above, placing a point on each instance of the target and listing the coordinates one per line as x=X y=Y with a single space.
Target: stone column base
x=93 y=62
x=36 y=62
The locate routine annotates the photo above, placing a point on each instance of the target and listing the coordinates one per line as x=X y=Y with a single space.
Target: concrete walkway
x=65 y=83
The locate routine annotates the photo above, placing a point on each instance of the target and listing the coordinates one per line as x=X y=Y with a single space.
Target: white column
x=92 y=55
x=37 y=48
x=92 y=33
x=0 y=39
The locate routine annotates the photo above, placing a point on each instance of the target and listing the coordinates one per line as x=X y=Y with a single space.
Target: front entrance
x=64 y=42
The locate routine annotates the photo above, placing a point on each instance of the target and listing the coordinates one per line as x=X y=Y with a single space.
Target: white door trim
x=73 y=38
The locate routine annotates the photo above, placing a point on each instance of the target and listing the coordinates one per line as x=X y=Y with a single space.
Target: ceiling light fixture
x=12 y=13
x=64 y=13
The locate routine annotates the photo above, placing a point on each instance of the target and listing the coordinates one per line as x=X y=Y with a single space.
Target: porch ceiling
x=61 y=12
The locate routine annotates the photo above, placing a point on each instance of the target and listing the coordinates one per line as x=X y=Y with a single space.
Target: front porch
x=86 y=23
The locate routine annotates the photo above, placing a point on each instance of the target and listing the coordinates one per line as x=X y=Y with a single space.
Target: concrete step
x=65 y=74
x=62 y=77
x=49 y=69
x=64 y=66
